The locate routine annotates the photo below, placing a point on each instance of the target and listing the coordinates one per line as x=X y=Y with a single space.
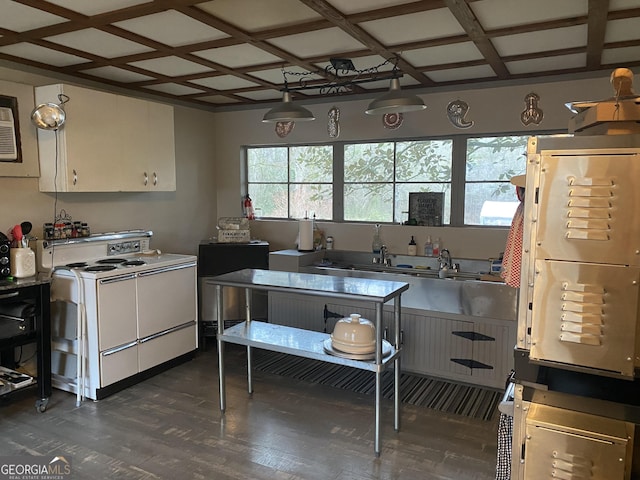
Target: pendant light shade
x=287 y=111
x=394 y=101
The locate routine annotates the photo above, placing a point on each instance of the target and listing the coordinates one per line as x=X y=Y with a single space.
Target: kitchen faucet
x=445 y=260
x=384 y=258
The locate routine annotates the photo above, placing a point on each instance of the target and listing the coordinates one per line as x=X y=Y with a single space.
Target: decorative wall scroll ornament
x=333 y=124
x=456 y=111
x=531 y=114
x=392 y=120
x=284 y=128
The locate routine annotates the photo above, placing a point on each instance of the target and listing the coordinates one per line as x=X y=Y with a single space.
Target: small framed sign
x=427 y=208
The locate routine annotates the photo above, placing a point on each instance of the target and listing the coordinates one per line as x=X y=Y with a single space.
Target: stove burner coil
x=134 y=263
x=100 y=268
x=112 y=260
x=76 y=265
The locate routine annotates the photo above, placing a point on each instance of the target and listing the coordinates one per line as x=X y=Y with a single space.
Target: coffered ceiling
x=233 y=52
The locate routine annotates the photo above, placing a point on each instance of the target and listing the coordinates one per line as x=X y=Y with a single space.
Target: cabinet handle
x=9 y=295
x=146 y=179
x=75 y=177
x=167 y=269
x=111 y=351
x=121 y=278
x=155 y=179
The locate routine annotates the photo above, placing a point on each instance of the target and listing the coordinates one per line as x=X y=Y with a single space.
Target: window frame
x=458 y=172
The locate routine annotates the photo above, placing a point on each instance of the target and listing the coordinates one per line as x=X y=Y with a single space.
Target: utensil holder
x=23 y=262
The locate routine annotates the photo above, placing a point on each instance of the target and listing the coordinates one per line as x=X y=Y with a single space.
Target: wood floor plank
x=170 y=426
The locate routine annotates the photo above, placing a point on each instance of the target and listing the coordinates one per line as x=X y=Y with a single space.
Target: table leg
x=249 y=369
x=378 y=377
x=223 y=399
x=396 y=364
x=247 y=303
x=376 y=447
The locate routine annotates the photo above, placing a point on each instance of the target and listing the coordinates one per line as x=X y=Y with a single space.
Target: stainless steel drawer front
x=584 y=207
x=585 y=314
x=565 y=444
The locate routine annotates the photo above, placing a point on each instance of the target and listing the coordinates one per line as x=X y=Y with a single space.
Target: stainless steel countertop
x=379 y=291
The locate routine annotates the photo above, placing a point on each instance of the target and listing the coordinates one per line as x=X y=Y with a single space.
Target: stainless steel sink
x=460 y=293
x=415 y=272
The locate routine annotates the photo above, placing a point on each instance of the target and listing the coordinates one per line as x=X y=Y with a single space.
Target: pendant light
x=287 y=111
x=394 y=101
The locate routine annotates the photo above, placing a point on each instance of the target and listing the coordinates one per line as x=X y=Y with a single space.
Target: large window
x=371 y=182
x=378 y=177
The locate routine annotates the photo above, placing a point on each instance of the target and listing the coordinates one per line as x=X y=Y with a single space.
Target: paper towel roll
x=305 y=235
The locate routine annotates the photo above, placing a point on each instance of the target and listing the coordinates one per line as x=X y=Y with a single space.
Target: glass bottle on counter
x=412 y=249
x=428 y=247
x=376 y=244
x=436 y=247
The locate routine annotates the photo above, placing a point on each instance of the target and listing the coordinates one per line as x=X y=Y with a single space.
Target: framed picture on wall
x=427 y=208
x=10 y=146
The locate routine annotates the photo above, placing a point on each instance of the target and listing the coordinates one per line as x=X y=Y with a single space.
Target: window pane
x=491 y=162
x=267 y=164
x=311 y=164
x=428 y=161
x=371 y=202
x=311 y=199
x=402 y=199
x=368 y=162
x=269 y=199
x=495 y=158
x=491 y=203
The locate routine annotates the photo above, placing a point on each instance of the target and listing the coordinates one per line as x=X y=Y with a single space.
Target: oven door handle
x=166 y=269
x=121 y=278
x=166 y=332
x=114 y=350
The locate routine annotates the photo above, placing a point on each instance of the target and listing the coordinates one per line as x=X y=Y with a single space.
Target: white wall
x=494 y=110
x=209 y=167
x=178 y=219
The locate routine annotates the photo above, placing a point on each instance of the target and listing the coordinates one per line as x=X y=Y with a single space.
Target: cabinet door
x=132 y=128
x=166 y=299
x=147 y=145
x=161 y=154
x=108 y=143
x=87 y=149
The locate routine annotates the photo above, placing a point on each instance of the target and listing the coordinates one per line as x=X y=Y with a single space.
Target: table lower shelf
x=296 y=341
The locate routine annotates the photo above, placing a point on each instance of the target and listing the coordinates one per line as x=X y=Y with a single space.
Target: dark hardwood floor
x=170 y=426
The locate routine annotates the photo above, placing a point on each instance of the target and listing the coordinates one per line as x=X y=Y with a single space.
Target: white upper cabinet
x=109 y=143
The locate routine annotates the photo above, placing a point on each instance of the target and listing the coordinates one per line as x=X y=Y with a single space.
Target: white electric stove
x=120 y=310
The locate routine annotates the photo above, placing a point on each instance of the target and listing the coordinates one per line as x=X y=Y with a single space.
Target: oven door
x=117 y=328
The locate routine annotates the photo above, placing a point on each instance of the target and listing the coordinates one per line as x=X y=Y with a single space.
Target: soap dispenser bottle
x=412 y=249
x=376 y=244
x=428 y=247
x=436 y=247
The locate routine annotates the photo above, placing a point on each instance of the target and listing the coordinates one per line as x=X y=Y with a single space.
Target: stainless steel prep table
x=305 y=343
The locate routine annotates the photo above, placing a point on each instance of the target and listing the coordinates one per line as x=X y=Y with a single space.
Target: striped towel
x=513 y=251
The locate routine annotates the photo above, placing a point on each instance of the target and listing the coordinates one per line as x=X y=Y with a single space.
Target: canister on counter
x=329 y=242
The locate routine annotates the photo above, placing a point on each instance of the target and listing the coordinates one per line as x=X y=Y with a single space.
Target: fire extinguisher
x=248 y=208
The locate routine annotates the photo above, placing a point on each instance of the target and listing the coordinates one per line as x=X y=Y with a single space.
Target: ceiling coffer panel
x=214 y=53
